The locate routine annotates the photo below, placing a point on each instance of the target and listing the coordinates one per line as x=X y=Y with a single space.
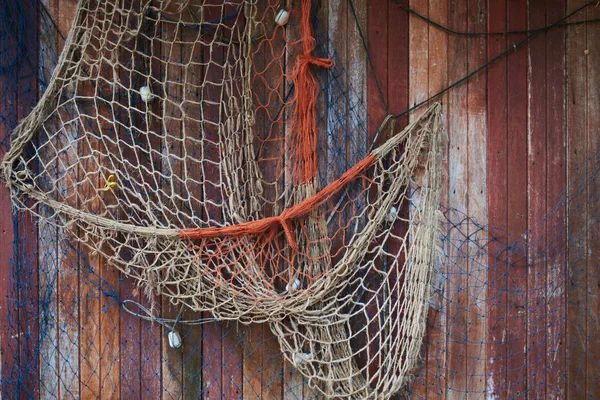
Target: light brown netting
x=168 y=142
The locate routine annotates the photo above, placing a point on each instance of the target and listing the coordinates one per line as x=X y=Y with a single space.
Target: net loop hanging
x=165 y=145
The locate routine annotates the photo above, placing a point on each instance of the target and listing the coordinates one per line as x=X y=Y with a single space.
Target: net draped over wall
x=164 y=145
x=167 y=140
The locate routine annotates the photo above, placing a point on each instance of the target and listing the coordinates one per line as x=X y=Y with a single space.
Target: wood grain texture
x=556 y=177
x=458 y=192
x=477 y=137
x=8 y=343
x=577 y=145
x=497 y=159
x=592 y=308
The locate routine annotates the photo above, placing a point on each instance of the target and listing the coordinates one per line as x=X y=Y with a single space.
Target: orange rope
x=264 y=225
x=304 y=124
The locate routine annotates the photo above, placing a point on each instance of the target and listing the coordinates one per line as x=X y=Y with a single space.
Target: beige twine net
x=167 y=144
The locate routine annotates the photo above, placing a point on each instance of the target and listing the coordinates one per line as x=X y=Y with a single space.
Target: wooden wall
x=516 y=134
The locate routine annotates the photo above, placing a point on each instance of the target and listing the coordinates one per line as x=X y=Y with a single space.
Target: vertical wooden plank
x=8 y=81
x=172 y=361
x=537 y=207
x=477 y=133
x=556 y=140
x=592 y=309
x=497 y=153
x=89 y=305
x=150 y=333
x=27 y=238
x=130 y=326
x=418 y=91
x=516 y=312
x=577 y=216
x=193 y=72
x=436 y=323
x=458 y=190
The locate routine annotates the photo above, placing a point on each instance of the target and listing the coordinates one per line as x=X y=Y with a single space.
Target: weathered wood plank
x=436 y=322
x=172 y=367
x=592 y=55
x=27 y=257
x=556 y=163
x=477 y=134
x=458 y=191
x=516 y=312
x=577 y=152
x=537 y=207
x=8 y=82
x=497 y=203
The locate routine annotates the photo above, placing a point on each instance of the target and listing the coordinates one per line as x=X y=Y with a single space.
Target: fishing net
x=177 y=141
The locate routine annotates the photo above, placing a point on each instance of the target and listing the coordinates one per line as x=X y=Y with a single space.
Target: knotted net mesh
x=177 y=140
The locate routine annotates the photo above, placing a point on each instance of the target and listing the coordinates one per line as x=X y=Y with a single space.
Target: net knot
x=284 y=221
x=308 y=59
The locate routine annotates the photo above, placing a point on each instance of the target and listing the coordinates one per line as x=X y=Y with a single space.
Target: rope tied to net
x=304 y=124
x=269 y=224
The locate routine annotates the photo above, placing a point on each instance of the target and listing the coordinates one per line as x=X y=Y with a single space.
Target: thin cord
x=496 y=58
x=477 y=34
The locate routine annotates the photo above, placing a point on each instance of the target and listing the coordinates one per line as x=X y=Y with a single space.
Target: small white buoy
x=295 y=285
x=146 y=94
x=393 y=214
x=301 y=358
x=174 y=339
x=282 y=17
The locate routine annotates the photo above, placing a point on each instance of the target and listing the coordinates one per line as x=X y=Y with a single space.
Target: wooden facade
x=517 y=132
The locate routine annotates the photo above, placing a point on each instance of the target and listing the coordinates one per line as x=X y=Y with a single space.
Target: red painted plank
x=456 y=351
x=497 y=203
x=418 y=91
x=577 y=152
x=477 y=134
x=8 y=343
x=537 y=207
x=592 y=56
x=556 y=164
x=27 y=69
x=436 y=322
x=516 y=312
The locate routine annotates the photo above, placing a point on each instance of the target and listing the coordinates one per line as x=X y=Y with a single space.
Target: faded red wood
x=592 y=55
x=556 y=164
x=436 y=322
x=172 y=361
x=497 y=159
x=516 y=308
x=27 y=250
x=458 y=190
x=537 y=207
x=8 y=315
x=477 y=136
x=577 y=152
x=212 y=57
x=418 y=91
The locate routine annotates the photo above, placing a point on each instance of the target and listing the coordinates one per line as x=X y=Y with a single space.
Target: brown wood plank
x=418 y=89
x=477 y=134
x=516 y=312
x=193 y=71
x=556 y=134
x=27 y=255
x=436 y=322
x=537 y=207
x=172 y=361
x=592 y=55
x=8 y=343
x=458 y=191
x=497 y=203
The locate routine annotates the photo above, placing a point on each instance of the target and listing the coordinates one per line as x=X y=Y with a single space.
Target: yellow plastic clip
x=111 y=183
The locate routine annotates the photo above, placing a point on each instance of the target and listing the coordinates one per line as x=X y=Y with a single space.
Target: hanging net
x=178 y=141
